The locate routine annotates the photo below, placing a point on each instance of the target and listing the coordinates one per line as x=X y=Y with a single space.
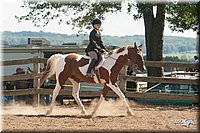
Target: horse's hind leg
x=102 y=97
x=75 y=94
x=63 y=72
x=117 y=90
x=63 y=77
x=55 y=94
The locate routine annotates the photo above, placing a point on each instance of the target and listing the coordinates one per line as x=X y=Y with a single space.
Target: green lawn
x=189 y=55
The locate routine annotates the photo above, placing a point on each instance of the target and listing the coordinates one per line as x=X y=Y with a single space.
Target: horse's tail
x=50 y=68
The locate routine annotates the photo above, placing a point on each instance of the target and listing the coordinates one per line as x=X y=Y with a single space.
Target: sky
x=119 y=24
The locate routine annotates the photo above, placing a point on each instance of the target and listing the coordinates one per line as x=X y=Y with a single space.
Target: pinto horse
x=74 y=67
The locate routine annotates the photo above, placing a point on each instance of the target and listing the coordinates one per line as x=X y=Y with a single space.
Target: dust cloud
x=108 y=107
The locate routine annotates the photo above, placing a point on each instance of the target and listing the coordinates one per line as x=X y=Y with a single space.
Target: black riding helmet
x=96 y=21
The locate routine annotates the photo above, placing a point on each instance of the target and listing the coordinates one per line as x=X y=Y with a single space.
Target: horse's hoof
x=130 y=113
x=48 y=112
x=84 y=112
x=93 y=114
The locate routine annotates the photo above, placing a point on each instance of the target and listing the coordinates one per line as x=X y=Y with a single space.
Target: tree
x=80 y=15
x=154 y=27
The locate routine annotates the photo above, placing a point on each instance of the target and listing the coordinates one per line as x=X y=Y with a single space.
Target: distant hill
x=172 y=44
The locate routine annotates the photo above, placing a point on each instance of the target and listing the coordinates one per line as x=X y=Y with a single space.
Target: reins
x=109 y=56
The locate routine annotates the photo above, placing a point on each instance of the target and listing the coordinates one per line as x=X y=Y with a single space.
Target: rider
x=95 y=45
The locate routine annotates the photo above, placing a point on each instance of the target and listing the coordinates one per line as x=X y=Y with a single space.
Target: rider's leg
x=94 y=57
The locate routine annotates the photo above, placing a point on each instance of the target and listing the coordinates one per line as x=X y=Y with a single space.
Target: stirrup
x=89 y=75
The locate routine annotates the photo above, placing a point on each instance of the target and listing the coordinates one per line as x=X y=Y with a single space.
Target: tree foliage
x=181 y=16
x=78 y=14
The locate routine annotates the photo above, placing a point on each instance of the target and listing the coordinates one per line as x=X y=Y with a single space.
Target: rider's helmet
x=96 y=21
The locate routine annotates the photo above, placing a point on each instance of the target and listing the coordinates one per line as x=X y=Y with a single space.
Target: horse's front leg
x=117 y=90
x=102 y=97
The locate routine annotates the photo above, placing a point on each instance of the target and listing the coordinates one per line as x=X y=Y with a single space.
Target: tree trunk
x=154 y=27
x=198 y=31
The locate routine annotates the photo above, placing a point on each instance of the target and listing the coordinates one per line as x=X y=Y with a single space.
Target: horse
x=74 y=67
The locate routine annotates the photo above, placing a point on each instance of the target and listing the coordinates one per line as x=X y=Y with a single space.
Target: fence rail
x=123 y=78
x=147 y=63
x=94 y=93
x=18 y=77
x=24 y=61
x=162 y=80
x=44 y=49
x=170 y=64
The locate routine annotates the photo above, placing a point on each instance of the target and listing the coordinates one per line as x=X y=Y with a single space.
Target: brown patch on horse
x=76 y=73
x=135 y=56
x=71 y=66
x=71 y=56
x=104 y=74
x=97 y=75
x=75 y=78
x=71 y=69
x=120 y=50
x=131 y=54
x=78 y=76
x=105 y=90
x=120 y=62
x=66 y=73
x=82 y=62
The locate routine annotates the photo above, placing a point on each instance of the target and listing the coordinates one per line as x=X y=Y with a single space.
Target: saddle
x=100 y=60
x=99 y=63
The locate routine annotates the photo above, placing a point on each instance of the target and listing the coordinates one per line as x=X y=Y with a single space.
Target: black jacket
x=96 y=43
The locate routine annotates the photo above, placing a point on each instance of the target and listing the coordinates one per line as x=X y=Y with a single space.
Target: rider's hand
x=106 y=53
x=28 y=68
x=102 y=50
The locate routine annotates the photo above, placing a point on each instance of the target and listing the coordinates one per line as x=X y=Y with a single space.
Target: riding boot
x=89 y=71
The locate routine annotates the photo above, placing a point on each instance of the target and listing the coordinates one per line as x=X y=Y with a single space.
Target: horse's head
x=136 y=57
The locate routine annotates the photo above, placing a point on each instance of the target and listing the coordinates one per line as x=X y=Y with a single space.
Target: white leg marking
x=75 y=94
x=117 y=90
x=55 y=94
x=98 y=104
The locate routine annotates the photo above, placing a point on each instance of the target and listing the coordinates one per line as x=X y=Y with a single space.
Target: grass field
x=188 y=55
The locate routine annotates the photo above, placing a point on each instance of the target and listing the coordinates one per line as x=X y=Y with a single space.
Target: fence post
x=36 y=85
x=122 y=81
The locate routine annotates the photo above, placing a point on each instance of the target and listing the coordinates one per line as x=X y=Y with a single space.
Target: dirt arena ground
x=111 y=116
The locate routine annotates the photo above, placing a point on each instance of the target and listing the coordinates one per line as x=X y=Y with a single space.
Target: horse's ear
x=140 y=45
x=135 y=44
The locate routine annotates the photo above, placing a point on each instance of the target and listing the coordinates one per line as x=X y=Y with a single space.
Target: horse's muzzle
x=141 y=69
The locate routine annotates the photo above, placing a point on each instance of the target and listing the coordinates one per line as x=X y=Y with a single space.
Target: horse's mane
x=118 y=49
